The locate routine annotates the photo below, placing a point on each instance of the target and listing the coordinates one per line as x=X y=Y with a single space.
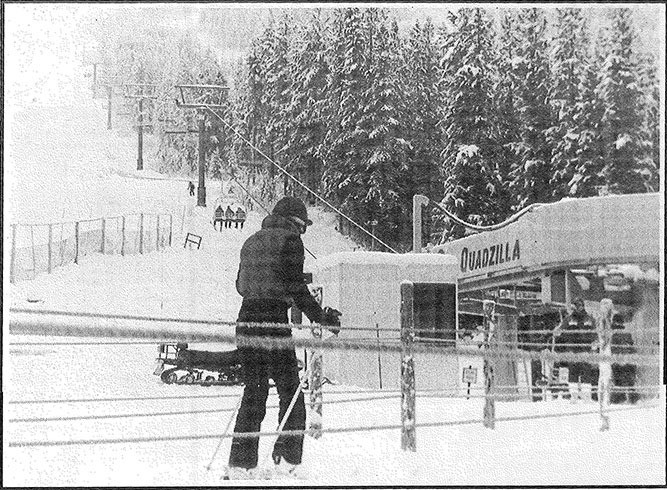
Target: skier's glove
x=330 y=318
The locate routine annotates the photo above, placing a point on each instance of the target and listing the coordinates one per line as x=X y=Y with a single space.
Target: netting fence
x=41 y=247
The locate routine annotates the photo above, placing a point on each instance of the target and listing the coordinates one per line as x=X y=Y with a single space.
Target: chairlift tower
x=201 y=98
x=92 y=56
x=112 y=87
x=140 y=92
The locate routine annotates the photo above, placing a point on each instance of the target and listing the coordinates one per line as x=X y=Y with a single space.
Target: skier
x=191 y=188
x=229 y=216
x=240 y=217
x=270 y=277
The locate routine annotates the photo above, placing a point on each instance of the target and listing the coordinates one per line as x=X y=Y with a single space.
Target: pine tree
x=421 y=76
x=508 y=124
x=382 y=122
x=650 y=87
x=468 y=122
x=347 y=82
x=530 y=178
x=619 y=89
x=568 y=68
x=310 y=71
x=588 y=178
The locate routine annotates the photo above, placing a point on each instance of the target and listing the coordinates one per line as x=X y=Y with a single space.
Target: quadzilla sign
x=500 y=253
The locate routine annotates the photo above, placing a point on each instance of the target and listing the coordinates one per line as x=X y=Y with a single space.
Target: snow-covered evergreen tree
x=346 y=84
x=650 y=86
x=625 y=169
x=531 y=72
x=569 y=63
x=588 y=178
x=470 y=158
x=310 y=71
x=421 y=78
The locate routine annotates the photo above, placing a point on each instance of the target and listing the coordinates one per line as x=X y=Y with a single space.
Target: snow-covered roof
x=597 y=230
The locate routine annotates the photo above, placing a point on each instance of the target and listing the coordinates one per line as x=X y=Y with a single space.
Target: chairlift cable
x=297 y=180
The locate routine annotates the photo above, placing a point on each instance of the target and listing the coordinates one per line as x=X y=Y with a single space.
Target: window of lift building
x=435 y=312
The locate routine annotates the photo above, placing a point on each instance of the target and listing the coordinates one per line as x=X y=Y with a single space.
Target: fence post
x=12 y=263
x=604 y=339
x=171 y=226
x=157 y=233
x=50 y=266
x=315 y=379
x=315 y=385
x=103 y=237
x=408 y=431
x=122 y=237
x=489 y=402
x=141 y=234
x=76 y=242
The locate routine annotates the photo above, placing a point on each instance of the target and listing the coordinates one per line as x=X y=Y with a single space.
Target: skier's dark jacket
x=271 y=275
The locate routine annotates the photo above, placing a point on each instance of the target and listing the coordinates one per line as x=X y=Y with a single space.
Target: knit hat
x=291 y=206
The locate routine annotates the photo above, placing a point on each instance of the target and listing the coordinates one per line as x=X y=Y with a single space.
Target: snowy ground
x=61 y=162
x=199 y=284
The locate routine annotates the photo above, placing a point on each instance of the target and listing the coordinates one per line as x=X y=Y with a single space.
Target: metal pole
x=103 y=235
x=417 y=202
x=50 y=265
x=489 y=402
x=201 y=189
x=141 y=234
x=122 y=238
x=140 y=133
x=94 y=80
x=109 y=93
x=171 y=226
x=377 y=331
x=12 y=264
x=408 y=432
x=76 y=242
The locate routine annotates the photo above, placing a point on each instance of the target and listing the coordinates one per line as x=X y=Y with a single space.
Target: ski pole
x=229 y=424
x=288 y=412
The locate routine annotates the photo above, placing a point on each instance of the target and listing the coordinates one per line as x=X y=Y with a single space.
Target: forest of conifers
x=486 y=113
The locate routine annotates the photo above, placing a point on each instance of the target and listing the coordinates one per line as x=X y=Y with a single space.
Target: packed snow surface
x=61 y=162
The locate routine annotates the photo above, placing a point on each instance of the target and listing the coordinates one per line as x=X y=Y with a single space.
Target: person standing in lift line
x=270 y=279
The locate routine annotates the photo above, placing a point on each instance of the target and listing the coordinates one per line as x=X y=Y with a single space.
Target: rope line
x=297 y=180
x=370 y=428
x=180 y=412
x=121 y=399
x=36 y=327
x=388 y=393
x=497 y=396
x=187 y=321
